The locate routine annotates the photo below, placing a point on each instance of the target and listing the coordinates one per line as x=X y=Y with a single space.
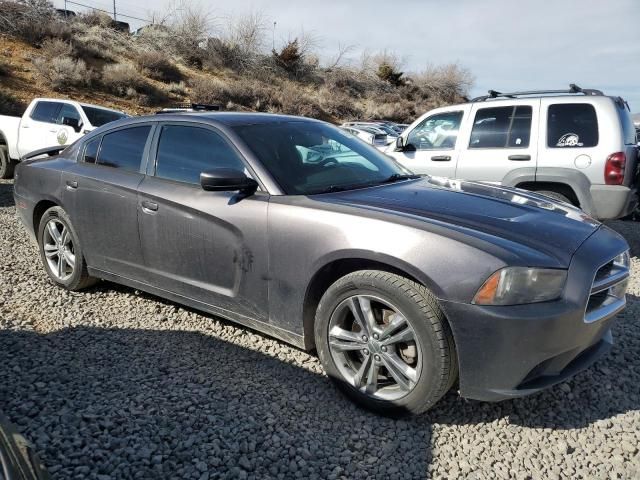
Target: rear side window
x=124 y=148
x=572 y=125
x=628 y=128
x=185 y=152
x=91 y=151
x=502 y=127
x=46 y=112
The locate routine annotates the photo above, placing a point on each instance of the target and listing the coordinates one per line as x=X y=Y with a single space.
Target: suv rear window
x=572 y=125
x=124 y=148
x=502 y=127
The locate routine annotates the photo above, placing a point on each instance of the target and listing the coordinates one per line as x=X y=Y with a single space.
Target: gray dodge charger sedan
x=290 y=226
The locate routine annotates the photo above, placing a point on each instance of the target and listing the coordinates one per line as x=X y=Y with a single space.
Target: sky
x=508 y=45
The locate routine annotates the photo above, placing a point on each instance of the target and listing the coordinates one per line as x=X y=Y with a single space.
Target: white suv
x=576 y=145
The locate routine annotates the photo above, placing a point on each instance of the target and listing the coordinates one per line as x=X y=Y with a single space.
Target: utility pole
x=273 y=36
x=114 y=11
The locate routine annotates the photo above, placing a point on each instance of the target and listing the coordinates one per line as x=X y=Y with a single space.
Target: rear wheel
x=6 y=164
x=61 y=252
x=385 y=342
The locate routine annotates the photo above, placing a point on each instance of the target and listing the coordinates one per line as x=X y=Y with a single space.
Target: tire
x=430 y=356
x=555 y=196
x=6 y=164
x=72 y=277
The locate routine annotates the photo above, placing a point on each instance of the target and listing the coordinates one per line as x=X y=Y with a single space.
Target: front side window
x=46 y=112
x=185 y=152
x=306 y=157
x=572 y=125
x=124 y=148
x=502 y=127
x=438 y=132
x=91 y=150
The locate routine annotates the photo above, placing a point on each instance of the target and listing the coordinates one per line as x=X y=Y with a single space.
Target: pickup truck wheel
x=61 y=252
x=385 y=342
x=555 y=196
x=6 y=164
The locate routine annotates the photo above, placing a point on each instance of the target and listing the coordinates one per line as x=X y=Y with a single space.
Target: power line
x=110 y=13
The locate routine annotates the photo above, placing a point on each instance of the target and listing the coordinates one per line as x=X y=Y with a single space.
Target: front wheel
x=61 y=252
x=384 y=340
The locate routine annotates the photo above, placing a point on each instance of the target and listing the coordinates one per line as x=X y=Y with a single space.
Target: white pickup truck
x=47 y=122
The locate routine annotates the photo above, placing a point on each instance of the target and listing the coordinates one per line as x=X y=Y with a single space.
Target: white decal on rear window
x=569 y=140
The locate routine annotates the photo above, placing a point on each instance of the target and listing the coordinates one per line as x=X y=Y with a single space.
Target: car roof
x=231 y=118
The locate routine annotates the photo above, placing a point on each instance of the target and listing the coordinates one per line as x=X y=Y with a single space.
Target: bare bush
x=449 y=82
x=179 y=89
x=98 y=41
x=55 y=47
x=158 y=66
x=29 y=20
x=120 y=77
x=190 y=32
x=62 y=73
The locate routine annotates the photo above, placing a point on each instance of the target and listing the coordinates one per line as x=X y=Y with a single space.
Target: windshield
x=101 y=116
x=308 y=157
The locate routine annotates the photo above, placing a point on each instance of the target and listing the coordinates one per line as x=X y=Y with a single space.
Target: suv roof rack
x=573 y=89
x=190 y=107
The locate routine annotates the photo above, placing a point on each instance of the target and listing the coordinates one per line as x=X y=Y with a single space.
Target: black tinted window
x=46 y=112
x=124 y=148
x=100 y=116
x=185 y=152
x=91 y=151
x=502 y=127
x=572 y=125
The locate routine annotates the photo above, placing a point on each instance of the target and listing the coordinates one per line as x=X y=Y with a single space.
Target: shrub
x=61 y=73
x=179 y=89
x=120 y=77
x=98 y=41
x=55 y=47
x=289 y=58
x=158 y=66
x=29 y=20
x=388 y=74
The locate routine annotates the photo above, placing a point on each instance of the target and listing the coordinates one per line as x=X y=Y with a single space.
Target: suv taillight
x=614 y=168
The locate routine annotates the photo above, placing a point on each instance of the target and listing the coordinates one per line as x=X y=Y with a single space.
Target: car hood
x=480 y=209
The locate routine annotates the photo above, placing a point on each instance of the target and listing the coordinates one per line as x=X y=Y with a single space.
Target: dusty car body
x=267 y=253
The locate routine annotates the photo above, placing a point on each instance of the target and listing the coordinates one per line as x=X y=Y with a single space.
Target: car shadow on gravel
x=176 y=404
x=6 y=194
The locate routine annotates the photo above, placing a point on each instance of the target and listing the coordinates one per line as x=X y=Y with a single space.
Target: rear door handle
x=520 y=158
x=441 y=158
x=72 y=185
x=149 y=207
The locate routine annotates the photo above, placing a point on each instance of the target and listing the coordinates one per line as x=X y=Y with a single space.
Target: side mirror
x=399 y=144
x=72 y=122
x=227 y=180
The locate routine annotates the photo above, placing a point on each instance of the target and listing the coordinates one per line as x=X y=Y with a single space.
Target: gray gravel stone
x=113 y=383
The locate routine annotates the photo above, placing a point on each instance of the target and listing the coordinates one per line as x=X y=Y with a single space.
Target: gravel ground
x=112 y=383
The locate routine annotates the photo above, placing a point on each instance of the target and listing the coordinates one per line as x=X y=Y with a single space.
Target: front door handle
x=441 y=158
x=149 y=207
x=520 y=158
x=72 y=185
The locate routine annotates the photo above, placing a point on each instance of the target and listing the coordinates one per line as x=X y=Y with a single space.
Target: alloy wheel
x=59 y=249
x=375 y=347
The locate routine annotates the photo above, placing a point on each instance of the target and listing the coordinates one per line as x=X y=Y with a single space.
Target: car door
x=430 y=147
x=502 y=138
x=207 y=246
x=38 y=128
x=101 y=196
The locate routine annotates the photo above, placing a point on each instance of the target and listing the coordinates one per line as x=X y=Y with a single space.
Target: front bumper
x=512 y=351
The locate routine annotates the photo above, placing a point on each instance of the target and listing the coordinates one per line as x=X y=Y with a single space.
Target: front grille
x=608 y=289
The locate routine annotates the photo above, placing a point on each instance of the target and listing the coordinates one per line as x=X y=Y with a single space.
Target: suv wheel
x=61 y=252
x=6 y=164
x=554 y=195
x=384 y=340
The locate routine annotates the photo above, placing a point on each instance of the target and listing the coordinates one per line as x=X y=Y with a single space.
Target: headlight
x=519 y=285
x=622 y=260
